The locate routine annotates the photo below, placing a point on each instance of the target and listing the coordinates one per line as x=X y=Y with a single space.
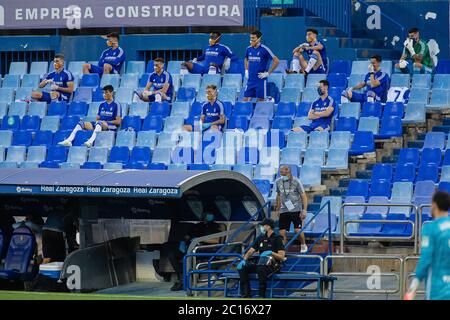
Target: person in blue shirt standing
x=61 y=81
x=213 y=115
x=321 y=111
x=434 y=262
x=317 y=55
x=213 y=58
x=109 y=117
x=376 y=83
x=257 y=61
x=111 y=59
x=159 y=86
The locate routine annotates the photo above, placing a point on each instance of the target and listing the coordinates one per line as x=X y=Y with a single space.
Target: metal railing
x=345 y=235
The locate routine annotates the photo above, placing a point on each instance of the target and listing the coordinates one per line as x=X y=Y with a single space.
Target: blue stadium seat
x=247 y=155
x=76 y=67
x=113 y=166
x=153 y=123
x=124 y=96
x=419 y=95
x=18 y=109
x=140 y=155
x=173 y=67
x=245 y=169
x=77 y=155
x=386 y=66
x=207 y=79
x=286 y=109
x=380 y=188
x=340 y=140
x=409 y=156
x=146 y=139
x=57 y=108
x=370 y=124
x=16 y=155
x=415 y=113
x=23 y=94
x=105 y=139
x=421 y=81
x=98 y=155
x=380 y=200
x=309 y=94
x=363 y=142
x=57 y=154
x=355 y=79
x=6 y=95
x=227 y=94
x=263 y=109
x=439 y=98
x=93 y=111
x=445 y=173
x=11 y=123
x=220 y=167
x=180 y=109
x=4 y=109
x=69 y=165
x=358 y=188
x=129 y=81
x=173 y=124
x=263 y=186
x=30 y=81
x=290 y=95
x=303 y=109
x=226 y=156
x=69 y=122
x=424 y=188
x=313 y=79
x=60 y=136
x=19 y=68
x=441 y=81
x=156 y=166
x=126 y=138
x=269 y=156
x=296 y=81
x=50 y=123
x=135 y=67
x=232 y=81
x=119 y=154
x=237 y=67
x=302 y=121
x=143 y=80
x=22 y=138
x=139 y=109
x=346 y=124
x=43 y=138
x=443 y=67
x=394 y=109
x=264 y=172
x=258 y=123
x=393 y=230
x=192 y=81
x=371 y=109
x=350 y=109
x=36 y=154
x=110 y=79
x=186 y=94
x=390 y=127
x=318 y=140
x=400 y=80
x=91 y=165
x=341 y=66
x=434 y=140
x=243 y=109
x=444 y=186
x=291 y=156
x=81 y=137
x=297 y=140
x=314 y=157
x=235 y=122
x=91 y=80
x=337 y=80
x=131 y=122
x=36 y=108
x=428 y=172
x=30 y=123
x=370 y=229
x=402 y=190
x=359 y=67
x=311 y=175
x=198 y=166
x=282 y=123
x=39 y=68
x=276 y=78
x=78 y=108
x=162 y=155
x=431 y=156
x=83 y=94
x=160 y=109
x=337 y=159
x=405 y=173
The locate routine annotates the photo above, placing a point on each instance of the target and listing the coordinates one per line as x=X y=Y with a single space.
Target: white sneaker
x=303 y=248
x=88 y=144
x=65 y=143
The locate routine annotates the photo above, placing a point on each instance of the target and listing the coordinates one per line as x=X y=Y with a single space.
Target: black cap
x=268 y=222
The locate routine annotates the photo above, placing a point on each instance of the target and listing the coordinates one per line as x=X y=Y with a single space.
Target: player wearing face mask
x=376 y=83
x=316 y=52
x=417 y=50
x=213 y=58
x=159 y=86
x=111 y=59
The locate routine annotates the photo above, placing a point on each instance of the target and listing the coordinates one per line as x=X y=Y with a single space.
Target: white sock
x=296 y=64
x=98 y=128
x=311 y=63
x=158 y=97
x=74 y=132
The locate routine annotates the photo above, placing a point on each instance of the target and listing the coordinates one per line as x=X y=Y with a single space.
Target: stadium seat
x=22 y=138
x=83 y=94
x=235 y=122
x=290 y=95
x=297 y=140
x=390 y=127
x=405 y=173
x=91 y=165
x=371 y=109
x=269 y=156
x=379 y=200
x=259 y=123
x=350 y=109
x=124 y=96
x=263 y=109
x=419 y=95
x=162 y=155
x=400 y=80
x=110 y=79
x=207 y=79
x=245 y=169
x=36 y=154
x=18 y=109
x=243 y=109
x=226 y=156
x=296 y=81
x=81 y=137
x=359 y=67
x=76 y=67
x=43 y=138
x=146 y=139
x=180 y=109
x=143 y=80
x=139 y=109
x=126 y=138
x=439 y=98
x=415 y=113
x=302 y=121
x=91 y=80
x=78 y=108
x=443 y=67
x=140 y=155
x=173 y=124
x=386 y=66
x=227 y=94
x=186 y=94
x=431 y=156
x=309 y=94
x=247 y=155
x=77 y=155
x=380 y=188
x=394 y=109
x=50 y=123
x=369 y=229
x=314 y=157
x=30 y=123
x=276 y=78
x=105 y=139
x=310 y=175
x=23 y=94
x=98 y=155
x=445 y=173
x=16 y=154
x=69 y=122
x=6 y=95
x=232 y=81
x=340 y=140
x=264 y=172
x=421 y=81
x=160 y=109
x=130 y=81
x=428 y=172
x=119 y=154
x=57 y=154
x=424 y=188
x=36 y=108
x=402 y=190
x=444 y=186
x=355 y=79
x=312 y=80
x=390 y=229
x=18 y=68
x=135 y=67
x=39 y=68
x=382 y=172
x=337 y=159
x=113 y=166
x=11 y=123
x=318 y=140
x=192 y=81
x=286 y=109
x=341 y=66
x=434 y=140
x=337 y=80
x=57 y=108
x=60 y=136
x=263 y=186
x=131 y=123
x=291 y=156
x=303 y=109
x=153 y=123
x=346 y=124
x=441 y=81
x=30 y=81
x=282 y=123
x=4 y=109
x=358 y=188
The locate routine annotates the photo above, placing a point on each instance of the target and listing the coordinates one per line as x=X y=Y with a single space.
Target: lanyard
x=284 y=189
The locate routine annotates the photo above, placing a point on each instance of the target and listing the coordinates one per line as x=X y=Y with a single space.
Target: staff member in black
x=270 y=246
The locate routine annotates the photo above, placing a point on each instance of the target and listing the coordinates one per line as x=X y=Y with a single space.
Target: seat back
x=20 y=251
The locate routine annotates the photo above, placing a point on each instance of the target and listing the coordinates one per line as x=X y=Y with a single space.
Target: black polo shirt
x=273 y=243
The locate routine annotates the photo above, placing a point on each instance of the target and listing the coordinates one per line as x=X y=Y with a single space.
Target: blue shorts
x=199 y=68
x=111 y=127
x=362 y=97
x=46 y=97
x=314 y=126
x=99 y=70
x=256 y=89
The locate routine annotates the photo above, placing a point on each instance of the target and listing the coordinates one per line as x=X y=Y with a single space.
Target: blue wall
x=410 y=14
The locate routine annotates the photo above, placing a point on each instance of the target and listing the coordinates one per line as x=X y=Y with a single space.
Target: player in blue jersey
x=316 y=52
x=109 y=117
x=159 y=86
x=111 y=59
x=60 y=81
x=257 y=67
x=213 y=114
x=434 y=262
x=213 y=58
x=321 y=111
x=376 y=83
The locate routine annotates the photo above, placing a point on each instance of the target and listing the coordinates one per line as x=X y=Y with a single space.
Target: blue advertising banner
x=26 y=14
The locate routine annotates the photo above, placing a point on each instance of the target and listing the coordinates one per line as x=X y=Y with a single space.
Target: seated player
x=111 y=59
x=212 y=59
x=321 y=111
x=159 y=86
x=109 y=117
x=417 y=51
x=213 y=115
x=61 y=81
x=257 y=62
x=316 y=52
x=376 y=83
